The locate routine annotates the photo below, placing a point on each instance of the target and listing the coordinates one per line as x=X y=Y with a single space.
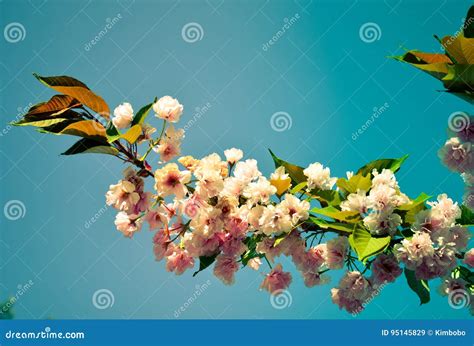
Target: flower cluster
x=224 y=211
x=431 y=252
x=221 y=212
x=458 y=152
x=378 y=206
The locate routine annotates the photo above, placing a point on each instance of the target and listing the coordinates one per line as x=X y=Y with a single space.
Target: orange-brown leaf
x=56 y=105
x=84 y=128
x=431 y=58
x=78 y=90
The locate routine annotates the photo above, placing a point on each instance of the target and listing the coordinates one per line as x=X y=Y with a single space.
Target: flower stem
x=155 y=143
x=268 y=262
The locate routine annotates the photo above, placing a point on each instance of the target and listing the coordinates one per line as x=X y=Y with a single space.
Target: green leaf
x=460 y=77
x=466 y=95
x=39 y=122
x=469 y=23
x=204 y=262
x=366 y=245
x=392 y=164
x=299 y=187
x=48 y=119
x=420 y=287
x=86 y=145
x=83 y=128
x=327 y=197
x=251 y=242
x=337 y=226
x=467 y=217
x=409 y=210
x=112 y=133
x=78 y=90
x=279 y=239
x=334 y=213
x=141 y=115
x=356 y=182
x=295 y=172
x=463 y=273
x=6 y=312
x=415 y=203
x=467 y=275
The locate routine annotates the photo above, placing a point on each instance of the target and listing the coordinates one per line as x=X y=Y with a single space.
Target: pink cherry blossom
x=469 y=258
x=336 y=252
x=162 y=245
x=276 y=280
x=385 y=268
x=179 y=261
x=225 y=268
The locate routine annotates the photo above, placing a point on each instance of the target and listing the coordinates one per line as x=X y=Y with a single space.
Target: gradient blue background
x=320 y=72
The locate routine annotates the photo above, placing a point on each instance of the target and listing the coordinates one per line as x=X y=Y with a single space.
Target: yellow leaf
x=431 y=58
x=434 y=64
x=336 y=214
x=133 y=133
x=40 y=122
x=439 y=67
x=83 y=128
x=467 y=46
x=356 y=182
x=282 y=185
x=460 y=48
